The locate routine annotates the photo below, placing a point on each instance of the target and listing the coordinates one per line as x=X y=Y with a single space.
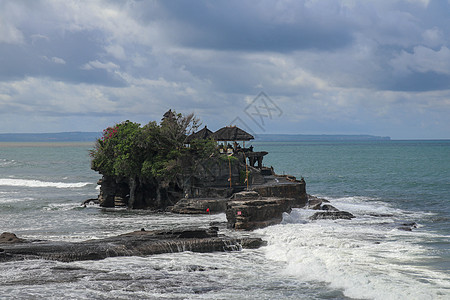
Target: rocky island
x=173 y=167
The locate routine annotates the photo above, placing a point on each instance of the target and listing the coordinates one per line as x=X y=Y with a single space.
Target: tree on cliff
x=154 y=154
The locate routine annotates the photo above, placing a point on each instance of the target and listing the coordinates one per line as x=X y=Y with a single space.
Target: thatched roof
x=232 y=133
x=168 y=115
x=202 y=134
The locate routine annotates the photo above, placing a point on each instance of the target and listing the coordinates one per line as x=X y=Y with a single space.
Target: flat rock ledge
x=138 y=243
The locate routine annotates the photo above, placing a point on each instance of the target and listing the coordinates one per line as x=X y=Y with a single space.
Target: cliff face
x=206 y=189
x=265 y=204
x=210 y=178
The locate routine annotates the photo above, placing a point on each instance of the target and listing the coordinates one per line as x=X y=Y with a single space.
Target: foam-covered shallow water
x=389 y=187
x=368 y=257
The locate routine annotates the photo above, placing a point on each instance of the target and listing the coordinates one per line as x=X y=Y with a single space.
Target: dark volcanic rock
x=407 y=226
x=135 y=243
x=264 y=205
x=200 y=206
x=332 y=215
x=292 y=190
x=253 y=214
x=315 y=202
x=10 y=238
x=246 y=195
x=329 y=207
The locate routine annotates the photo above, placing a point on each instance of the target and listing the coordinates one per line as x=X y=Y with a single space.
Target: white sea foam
x=15 y=200
x=7 y=163
x=39 y=183
x=61 y=206
x=363 y=260
x=366 y=207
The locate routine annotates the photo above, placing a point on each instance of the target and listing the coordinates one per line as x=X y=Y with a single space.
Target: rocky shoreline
x=245 y=211
x=137 y=243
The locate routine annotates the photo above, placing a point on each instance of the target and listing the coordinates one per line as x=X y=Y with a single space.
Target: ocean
x=385 y=184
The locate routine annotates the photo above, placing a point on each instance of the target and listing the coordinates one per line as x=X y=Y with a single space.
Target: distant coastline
x=92 y=136
x=318 y=137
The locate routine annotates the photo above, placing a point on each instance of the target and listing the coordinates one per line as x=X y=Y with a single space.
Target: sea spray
x=33 y=183
x=363 y=258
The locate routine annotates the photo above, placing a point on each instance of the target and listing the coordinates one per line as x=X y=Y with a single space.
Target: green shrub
x=154 y=150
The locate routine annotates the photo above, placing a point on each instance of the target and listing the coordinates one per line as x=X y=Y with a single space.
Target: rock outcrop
x=137 y=243
x=293 y=192
x=249 y=210
x=332 y=215
x=9 y=238
x=200 y=206
x=328 y=211
x=253 y=214
x=284 y=187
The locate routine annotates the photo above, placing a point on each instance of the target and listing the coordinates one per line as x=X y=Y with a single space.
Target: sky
x=378 y=67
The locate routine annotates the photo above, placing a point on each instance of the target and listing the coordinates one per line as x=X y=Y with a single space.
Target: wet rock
x=88 y=201
x=381 y=215
x=10 y=238
x=253 y=243
x=200 y=206
x=138 y=243
x=407 y=226
x=329 y=207
x=253 y=214
x=289 y=190
x=332 y=215
x=315 y=202
x=404 y=228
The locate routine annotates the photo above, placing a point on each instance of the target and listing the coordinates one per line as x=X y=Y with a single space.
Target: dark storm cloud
x=374 y=66
x=420 y=82
x=251 y=26
x=60 y=57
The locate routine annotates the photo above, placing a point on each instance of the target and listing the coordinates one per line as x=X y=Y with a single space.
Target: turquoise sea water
x=414 y=175
x=383 y=183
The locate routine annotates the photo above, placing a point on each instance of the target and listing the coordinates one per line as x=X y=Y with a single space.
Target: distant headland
x=93 y=136
x=318 y=137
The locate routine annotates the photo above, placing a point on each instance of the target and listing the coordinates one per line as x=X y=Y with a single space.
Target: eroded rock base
x=138 y=243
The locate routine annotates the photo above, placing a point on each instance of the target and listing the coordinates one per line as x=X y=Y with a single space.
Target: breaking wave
x=367 y=257
x=38 y=183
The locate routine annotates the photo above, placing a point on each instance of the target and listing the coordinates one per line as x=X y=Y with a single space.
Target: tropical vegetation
x=154 y=150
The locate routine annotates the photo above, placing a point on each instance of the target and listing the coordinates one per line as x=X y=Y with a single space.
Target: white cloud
x=423 y=3
x=9 y=34
x=117 y=51
x=56 y=60
x=433 y=37
x=108 y=66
